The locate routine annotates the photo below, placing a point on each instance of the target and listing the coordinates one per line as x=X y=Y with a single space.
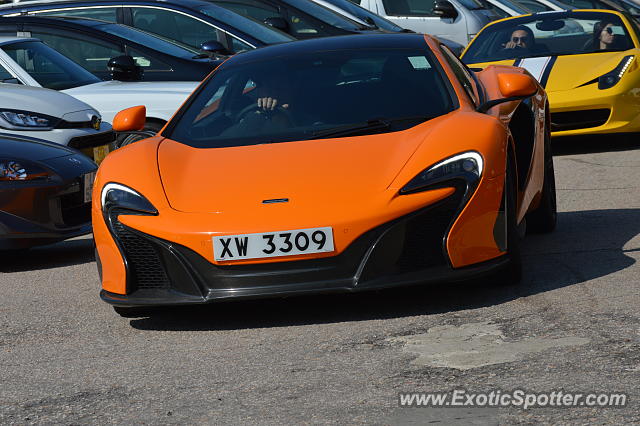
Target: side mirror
x=444 y=9
x=130 y=120
x=278 y=23
x=213 y=47
x=520 y=85
x=124 y=68
x=513 y=87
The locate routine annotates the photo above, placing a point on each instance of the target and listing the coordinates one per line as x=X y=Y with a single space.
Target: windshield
x=48 y=67
x=472 y=4
x=151 y=41
x=265 y=34
x=366 y=15
x=564 y=33
x=325 y=15
x=316 y=95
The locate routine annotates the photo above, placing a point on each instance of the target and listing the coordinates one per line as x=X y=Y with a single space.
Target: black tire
x=544 y=218
x=150 y=129
x=128 y=312
x=511 y=274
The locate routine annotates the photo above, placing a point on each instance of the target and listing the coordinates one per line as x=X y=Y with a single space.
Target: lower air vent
x=584 y=119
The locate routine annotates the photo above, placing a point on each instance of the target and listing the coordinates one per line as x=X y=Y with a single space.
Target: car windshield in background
x=325 y=15
x=366 y=15
x=549 y=35
x=48 y=67
x=151 y=41
x=472 y=4
x=317 y=95
x=265 y=34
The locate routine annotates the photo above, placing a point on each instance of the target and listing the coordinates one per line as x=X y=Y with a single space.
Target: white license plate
x=88 y=185
x=273 y=244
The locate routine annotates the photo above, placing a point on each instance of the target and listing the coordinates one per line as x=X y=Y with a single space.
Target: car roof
x=9 y=39
x=186 y=3
x=346 y=42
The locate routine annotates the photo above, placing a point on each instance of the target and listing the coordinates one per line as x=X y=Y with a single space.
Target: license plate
x=100 y=152
x=88 y=185
x=273 y=244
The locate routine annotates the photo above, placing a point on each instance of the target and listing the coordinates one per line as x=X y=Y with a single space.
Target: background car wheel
x=512 y=273
x=126 y=312
x=150 y=129
x=544 y=218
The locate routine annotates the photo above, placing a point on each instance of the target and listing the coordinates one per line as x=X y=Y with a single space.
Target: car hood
x=19 y=148
x=161 y=99
x=559 y=73
x=313 y=172
x=43 y=101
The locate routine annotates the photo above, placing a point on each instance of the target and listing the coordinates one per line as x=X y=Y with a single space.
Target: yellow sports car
x=587 y=60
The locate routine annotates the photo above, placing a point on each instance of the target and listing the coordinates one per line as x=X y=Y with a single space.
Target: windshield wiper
x=373 y=124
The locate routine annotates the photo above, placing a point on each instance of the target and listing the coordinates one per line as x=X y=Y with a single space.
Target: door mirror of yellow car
x=513 y=87
x=130 y=119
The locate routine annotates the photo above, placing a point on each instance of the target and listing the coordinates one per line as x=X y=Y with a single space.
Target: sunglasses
x=608 y=29
x=522 y=39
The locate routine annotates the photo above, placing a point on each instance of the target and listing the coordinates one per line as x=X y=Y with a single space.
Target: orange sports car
x=335 y=164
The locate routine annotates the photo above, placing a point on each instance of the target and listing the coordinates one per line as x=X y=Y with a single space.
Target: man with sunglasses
x=521 y=38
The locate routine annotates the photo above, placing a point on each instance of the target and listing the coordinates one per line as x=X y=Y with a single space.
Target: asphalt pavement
x=572 y=324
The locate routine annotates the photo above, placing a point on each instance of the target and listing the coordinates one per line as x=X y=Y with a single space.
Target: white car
x=53 y=116
x=30 y=62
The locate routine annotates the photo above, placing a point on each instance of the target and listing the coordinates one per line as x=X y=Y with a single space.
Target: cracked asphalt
x=573 y=323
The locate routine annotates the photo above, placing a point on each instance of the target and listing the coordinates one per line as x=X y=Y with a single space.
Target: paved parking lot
x=572 y=324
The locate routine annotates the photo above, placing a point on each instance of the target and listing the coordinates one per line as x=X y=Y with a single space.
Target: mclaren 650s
x=338 y=164
x=587 y=61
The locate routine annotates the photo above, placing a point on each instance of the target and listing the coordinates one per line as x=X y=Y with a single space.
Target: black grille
x=75 y=211
x=415 y=243
x=583 y=119
x=91 y=141
x=143 y=258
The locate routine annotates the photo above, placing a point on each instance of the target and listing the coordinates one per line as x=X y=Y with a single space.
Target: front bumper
x=43 y=214
x=588 y=110
x=408 y=250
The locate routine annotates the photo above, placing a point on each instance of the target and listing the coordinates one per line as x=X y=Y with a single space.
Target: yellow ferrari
x=587 y=60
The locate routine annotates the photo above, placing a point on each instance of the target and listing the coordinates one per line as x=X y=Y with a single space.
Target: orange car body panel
x=351 y=184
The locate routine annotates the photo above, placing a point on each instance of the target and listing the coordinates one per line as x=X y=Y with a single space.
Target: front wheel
x=512 y=272
x=543 y=219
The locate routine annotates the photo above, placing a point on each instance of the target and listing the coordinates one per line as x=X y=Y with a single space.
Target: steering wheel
x=254 y=108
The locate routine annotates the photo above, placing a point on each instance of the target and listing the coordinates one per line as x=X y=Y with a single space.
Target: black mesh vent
x=75 y=211
x=91 y=141
x=143 y=258
x=584 y=119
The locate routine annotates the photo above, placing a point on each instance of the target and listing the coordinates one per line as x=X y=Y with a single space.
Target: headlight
x=611 y=78
x=24 y=120
x=21 y=170
x=115 y=195
x=465 y=168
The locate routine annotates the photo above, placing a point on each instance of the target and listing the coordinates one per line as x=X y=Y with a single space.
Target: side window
x=238 y=46
x=90 y=54
x=7 y=77
x=147 y=62
x=534 y=6
x=463 y=76
x=103 y=13
x=409 y=7
x=173 y=25
x=254 y=9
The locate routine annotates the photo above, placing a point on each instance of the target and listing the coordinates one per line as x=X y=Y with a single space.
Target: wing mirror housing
x=513 y=87
x=125 y=68
x=213 y=48
x=444 y=9
x=277 y=22
x=130 y=120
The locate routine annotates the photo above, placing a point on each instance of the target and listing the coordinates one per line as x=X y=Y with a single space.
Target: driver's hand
x=510 y=45
x=269 y=104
